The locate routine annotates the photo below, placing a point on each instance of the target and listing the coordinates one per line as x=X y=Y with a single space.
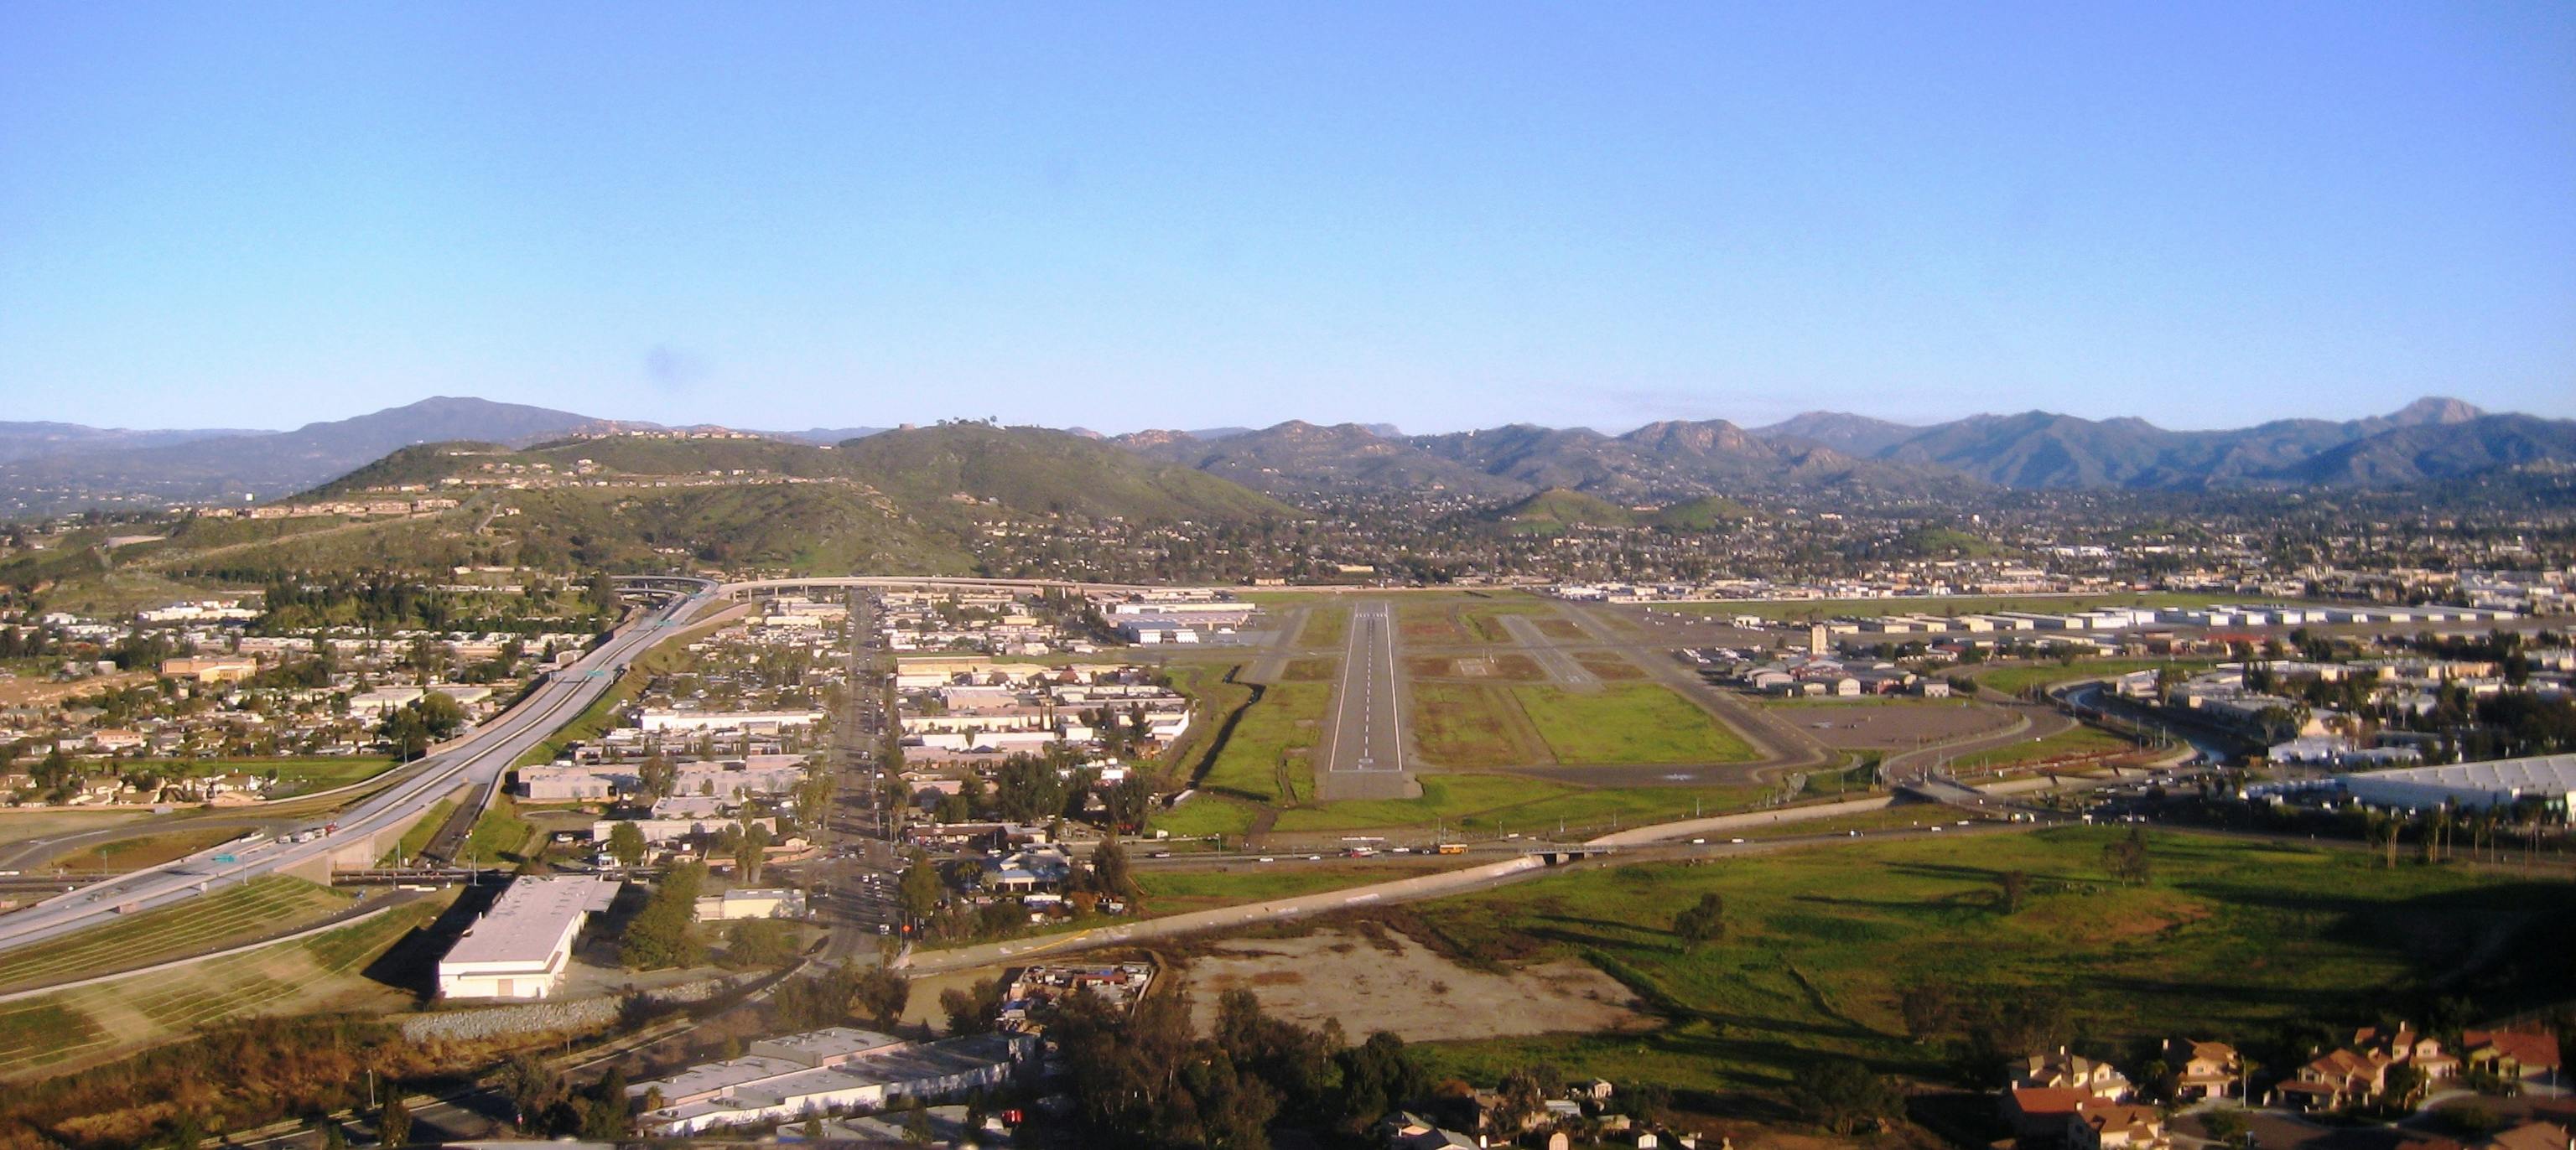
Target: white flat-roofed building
x=2548 y=779
x=751 y=902
x=824 y=1071
x=522 y=946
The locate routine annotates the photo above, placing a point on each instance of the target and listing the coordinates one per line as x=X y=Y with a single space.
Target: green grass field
x=1327 y=624
x=1206 y=814
x=2015 y=680
x=500 y=835
x=1466 y=725
x=1940 y=605
x=261 y=906
x=134 y=1013
x=1266 y=758
x=1627 y=723
x=1488 y=804
x=415 y=838
x=316 y=774
x=2231 y=940
x=148 y=850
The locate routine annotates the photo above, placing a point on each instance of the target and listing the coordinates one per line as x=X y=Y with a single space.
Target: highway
x=479 y=758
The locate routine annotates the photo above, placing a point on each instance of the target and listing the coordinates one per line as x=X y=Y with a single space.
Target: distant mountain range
x=51 y=467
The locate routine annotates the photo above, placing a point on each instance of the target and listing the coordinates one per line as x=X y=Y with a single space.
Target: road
x=478 y=759
x=1364 y=757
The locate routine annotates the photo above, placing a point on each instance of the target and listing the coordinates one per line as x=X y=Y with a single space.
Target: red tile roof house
x=2042 y=1113
x=2532 y=1136
x=2360 y=1072
x=2101 y=1125
x=2512 y=1054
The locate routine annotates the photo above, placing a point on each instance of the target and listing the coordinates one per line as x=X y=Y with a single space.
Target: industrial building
x=826 y=1071
x=522 y=946
x=2546 y=779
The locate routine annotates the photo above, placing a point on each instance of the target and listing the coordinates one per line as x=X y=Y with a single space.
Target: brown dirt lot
x=23 y=692
x=1386 y=981
x=1430 y=624
x=1561 y=629
x=1868 y=725
x=1310 y=670
x=1431 y=666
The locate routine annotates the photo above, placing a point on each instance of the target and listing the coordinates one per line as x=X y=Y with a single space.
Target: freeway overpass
x=477 y=760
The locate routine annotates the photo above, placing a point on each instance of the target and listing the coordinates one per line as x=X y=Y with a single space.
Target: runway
x=1365 y=757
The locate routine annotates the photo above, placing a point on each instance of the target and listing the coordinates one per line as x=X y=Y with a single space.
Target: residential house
x=2042 y=1112
x=2203 y=1069
x=2103 y=1125
x=2524 y=1055
x=2063 y=1069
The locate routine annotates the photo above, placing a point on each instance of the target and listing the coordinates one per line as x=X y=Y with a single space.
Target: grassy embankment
x=261 y=906
x=122 y=1015
x=145 y=850
x=2232 y=940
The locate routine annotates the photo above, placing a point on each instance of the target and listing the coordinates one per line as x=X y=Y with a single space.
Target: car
x=885 y=928
x=1314 y=858
x=1735 y=840
x=1160 y=855
x=1267 y=858
x=1699 y=842
x=1936 y=828
x=1854 y=834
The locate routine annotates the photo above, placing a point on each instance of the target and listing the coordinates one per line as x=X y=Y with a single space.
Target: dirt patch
x=19 y=691
x=1892 y=723
x=1560 y=629
x=1309 y=670
x=1517 y=669
x=1430 y=666
x=1394 y=983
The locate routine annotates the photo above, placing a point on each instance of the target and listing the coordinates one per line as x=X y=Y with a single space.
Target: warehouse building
x=2546 y=779
x=522 y=946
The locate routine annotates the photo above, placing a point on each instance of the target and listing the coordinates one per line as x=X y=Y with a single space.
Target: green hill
x=1037 y=471
x=1556 y=510
x=903 y=501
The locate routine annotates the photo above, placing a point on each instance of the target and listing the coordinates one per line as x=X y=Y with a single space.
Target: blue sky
x=1441 y=216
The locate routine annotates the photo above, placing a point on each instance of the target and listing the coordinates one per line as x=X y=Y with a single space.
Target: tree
x=1842 y=1095
x=1928 y=1009
x=916 y=1125
x=664 y=933
x=656 y=777
x=393 y=1123
x=1109 y=869
x=972 y=1010
x=626 y=843
x=920 y=888
x=2014 y=886
x=2126 y=858
x=1703 y=922
x=756 y=942
x=750 y=850
x=882 y=994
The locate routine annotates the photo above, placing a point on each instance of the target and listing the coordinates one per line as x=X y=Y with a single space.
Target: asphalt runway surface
x=1365 y=754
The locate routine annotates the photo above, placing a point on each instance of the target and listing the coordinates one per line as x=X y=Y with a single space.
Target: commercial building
x=826 y=1071
x=2546 y=779
x=522 y=946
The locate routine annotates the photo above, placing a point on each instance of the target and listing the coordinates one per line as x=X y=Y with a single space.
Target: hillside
x=1297 y=457
x=1557 y=510
x=1036 y=471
